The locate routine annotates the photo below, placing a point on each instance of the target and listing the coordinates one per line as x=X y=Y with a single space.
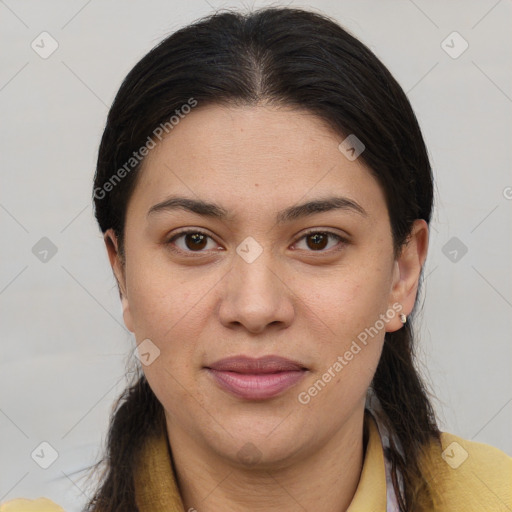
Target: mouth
x=256 y=379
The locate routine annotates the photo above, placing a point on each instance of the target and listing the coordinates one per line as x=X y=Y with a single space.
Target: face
x=256 y=273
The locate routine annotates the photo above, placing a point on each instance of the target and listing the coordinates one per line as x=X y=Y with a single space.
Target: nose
x=256 y=296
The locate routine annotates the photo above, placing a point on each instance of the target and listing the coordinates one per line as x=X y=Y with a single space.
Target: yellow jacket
x=469 y=477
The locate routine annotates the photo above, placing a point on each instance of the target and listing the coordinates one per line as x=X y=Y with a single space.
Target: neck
x=325 y=479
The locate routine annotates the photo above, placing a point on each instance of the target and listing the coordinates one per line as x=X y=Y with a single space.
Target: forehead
x=248 y=136
x=258 y=156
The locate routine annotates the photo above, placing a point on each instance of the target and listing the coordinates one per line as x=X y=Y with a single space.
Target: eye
x=317 y=241
x=192 y=241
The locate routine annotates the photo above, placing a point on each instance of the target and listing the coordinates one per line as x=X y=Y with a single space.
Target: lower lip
x=256 y=386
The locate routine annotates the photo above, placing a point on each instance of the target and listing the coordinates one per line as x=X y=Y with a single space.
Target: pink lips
x=256 y=379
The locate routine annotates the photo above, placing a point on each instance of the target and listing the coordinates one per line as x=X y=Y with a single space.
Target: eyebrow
x=213 y=210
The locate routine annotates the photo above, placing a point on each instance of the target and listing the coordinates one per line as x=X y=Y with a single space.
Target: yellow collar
x=156 y=489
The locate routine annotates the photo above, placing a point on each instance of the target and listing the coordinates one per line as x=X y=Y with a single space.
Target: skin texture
x=298 y=300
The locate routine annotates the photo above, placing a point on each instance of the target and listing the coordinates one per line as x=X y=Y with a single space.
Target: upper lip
x=266 y=364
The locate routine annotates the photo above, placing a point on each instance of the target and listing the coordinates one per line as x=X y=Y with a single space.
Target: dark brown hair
x=289 y=57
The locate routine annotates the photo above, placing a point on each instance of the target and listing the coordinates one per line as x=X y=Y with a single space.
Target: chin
x=265 y=445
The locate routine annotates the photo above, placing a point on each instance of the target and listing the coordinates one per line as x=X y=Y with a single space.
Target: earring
x=403 y=318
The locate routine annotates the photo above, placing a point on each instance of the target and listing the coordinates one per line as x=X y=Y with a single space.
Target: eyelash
x=198 y=231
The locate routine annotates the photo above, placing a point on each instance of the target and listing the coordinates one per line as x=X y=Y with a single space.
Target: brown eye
x=318 y=241
x=191 y=241
x=195 y=241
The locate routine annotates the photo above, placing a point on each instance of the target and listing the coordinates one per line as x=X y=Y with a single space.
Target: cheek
x=351 y=334
x=347 y=302
x=159 y=300
x=345 y=314
x=172 y=310
x=175 y=392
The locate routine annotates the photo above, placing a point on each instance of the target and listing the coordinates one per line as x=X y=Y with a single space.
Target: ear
x=407 y=271
x=118 y=267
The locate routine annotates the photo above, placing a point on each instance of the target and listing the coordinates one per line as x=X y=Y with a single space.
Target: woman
x=265 y=192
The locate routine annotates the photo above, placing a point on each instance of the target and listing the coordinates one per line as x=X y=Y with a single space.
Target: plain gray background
x=64 y=346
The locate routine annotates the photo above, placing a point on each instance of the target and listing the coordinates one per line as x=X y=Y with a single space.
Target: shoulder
x=469 y=476
x=24 y=505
